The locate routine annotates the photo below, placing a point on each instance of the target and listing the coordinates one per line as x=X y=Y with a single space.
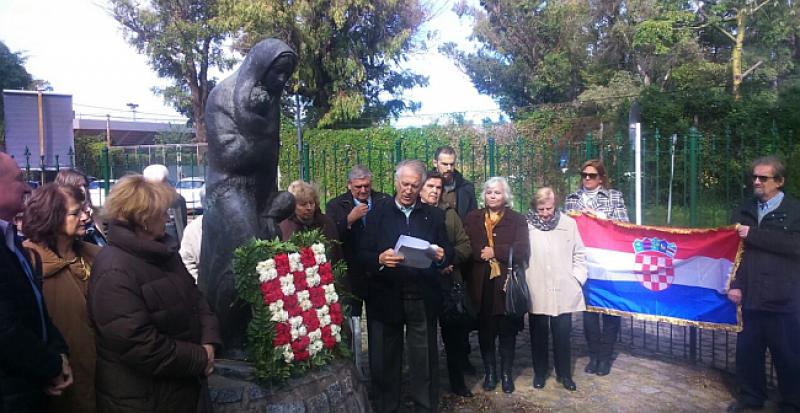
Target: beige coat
x=557 y=269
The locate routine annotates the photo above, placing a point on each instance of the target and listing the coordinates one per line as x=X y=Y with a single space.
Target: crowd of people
x=101 y=312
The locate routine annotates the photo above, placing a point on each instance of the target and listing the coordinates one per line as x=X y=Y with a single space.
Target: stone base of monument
x=334 y=388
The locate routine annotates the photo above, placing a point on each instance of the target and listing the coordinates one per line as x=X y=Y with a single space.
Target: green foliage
x=182 y=41
x=270 y=367
x=349 y=52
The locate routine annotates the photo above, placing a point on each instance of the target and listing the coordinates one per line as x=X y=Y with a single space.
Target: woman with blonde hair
x=307 y=216
x=54 y=222
x=493 y=231
x=555 y=276
x=156 y=336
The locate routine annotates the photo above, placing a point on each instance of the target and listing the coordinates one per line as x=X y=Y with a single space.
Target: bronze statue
x=242 y=198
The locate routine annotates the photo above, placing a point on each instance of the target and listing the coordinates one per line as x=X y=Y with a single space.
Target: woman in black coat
x=493 y=231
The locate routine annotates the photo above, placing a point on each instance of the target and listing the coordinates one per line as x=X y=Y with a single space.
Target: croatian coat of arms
x=653 y=265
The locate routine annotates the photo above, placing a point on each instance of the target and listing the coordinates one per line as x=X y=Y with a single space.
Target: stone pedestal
x=334 y=388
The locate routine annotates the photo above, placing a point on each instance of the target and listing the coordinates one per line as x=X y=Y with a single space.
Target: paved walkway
x=641 y=380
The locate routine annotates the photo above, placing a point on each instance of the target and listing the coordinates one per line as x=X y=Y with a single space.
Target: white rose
x=320 y=258
x=332 y=298
x=288 y=289
x=324 y=320
x=318 y=248
x=287 y=280
x=296 y=321
x=295 y=333
x=315 y=335
x=303 y=330
x=305 y=304
x=288 y=354
x=335 y=329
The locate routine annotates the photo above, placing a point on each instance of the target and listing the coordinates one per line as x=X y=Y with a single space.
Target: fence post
x=657 y=137
x=27 y=163
x=304 y=157
x=589 y=145
x=398 y=151
x=41 y=164
x=491 y=156
x=106 y=169
x=71 y=155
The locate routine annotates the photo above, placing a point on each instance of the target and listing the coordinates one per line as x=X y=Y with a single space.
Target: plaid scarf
x=535 y=220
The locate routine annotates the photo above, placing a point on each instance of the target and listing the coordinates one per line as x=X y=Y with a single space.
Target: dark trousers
x=386 y=358
x=561 y=326
x=601 y=342
x=454 y=337
x=780 y=333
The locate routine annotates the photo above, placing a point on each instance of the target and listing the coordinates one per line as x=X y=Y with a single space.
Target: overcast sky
x=79 y=49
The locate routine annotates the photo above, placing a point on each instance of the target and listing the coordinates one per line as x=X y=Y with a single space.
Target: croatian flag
x=674 y=275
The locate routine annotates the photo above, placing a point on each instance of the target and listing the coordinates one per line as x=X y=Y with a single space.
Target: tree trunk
x=736 y=55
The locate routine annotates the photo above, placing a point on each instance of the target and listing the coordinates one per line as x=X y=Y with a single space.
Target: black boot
x=591 y=368
x=490 y=369
x=456 y=376
x=506 y=364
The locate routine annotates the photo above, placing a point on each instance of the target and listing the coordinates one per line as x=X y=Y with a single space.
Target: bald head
x=12 y=188
x=156 y=173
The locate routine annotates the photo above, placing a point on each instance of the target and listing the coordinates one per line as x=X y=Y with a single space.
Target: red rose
x=283 y=334
x=307 y=257
x=301 y=355
x=282 y=264
x=325 y=274
x=311 y=320
x=328 y=342
x=301 y=343
x=300 y=282
x=291 y=306
x=336 y=314
x=317 y=296
x=271 y=291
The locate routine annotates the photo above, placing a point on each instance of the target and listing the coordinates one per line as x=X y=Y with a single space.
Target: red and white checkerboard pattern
x=655 y=271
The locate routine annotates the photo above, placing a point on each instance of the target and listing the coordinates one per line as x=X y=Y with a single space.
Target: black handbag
x=457 y=308
x=518 y=299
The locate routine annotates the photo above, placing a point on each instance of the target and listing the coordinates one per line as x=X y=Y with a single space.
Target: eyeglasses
x=762 y=178
x=586 y=175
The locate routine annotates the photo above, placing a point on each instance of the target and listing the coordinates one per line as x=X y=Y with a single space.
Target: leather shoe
x=507 y=383
x=539 y=381
x=489 y=382
x=463 y=392
x=739 y=406
x=567 y=383
x=603 y=367
x=591 y=368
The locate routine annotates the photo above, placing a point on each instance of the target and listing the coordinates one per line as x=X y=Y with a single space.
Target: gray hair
x=359 y=172
x=415 y=165
x=507 y=194
x=777 y=164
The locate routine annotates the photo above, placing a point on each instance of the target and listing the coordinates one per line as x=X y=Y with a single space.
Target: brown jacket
x=65 y=282
x=151 y=322
x=511 y=230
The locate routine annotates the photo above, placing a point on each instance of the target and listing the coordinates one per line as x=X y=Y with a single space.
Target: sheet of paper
x=417 y=252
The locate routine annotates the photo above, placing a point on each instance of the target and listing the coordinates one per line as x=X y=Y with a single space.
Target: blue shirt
x=765 y=208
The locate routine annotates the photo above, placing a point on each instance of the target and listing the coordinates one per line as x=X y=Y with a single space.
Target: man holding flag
x=767 y=286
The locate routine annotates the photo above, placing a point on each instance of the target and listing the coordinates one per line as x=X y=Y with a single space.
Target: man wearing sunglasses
x=767 y=286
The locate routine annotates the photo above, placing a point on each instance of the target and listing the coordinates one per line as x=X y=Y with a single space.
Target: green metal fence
x=709 y=175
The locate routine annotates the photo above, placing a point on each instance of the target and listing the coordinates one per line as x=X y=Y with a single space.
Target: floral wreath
x=297 y=316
